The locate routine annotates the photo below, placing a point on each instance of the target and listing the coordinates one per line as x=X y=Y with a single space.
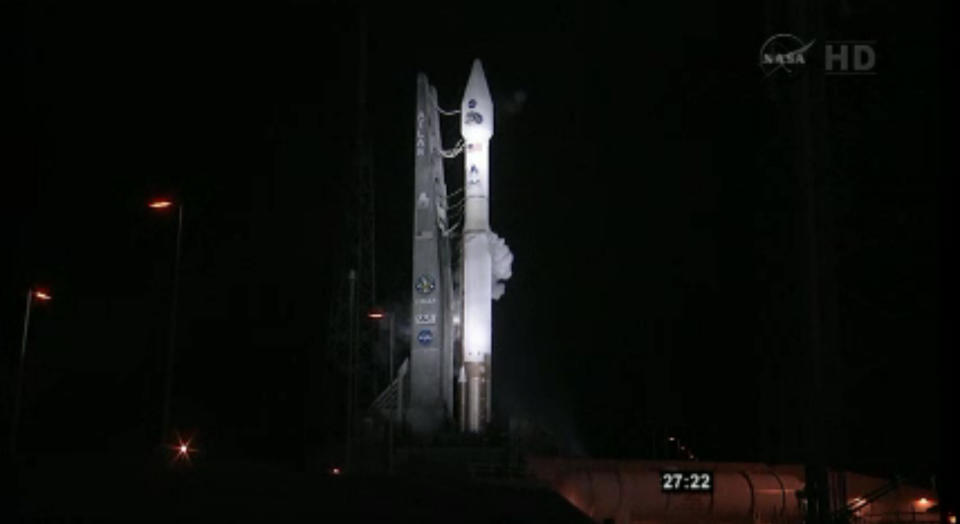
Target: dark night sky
x=640 y=174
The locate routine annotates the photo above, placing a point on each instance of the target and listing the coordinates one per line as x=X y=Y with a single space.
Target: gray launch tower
x=433 y=303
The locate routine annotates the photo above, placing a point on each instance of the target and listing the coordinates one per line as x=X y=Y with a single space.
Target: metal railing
x=897 y=517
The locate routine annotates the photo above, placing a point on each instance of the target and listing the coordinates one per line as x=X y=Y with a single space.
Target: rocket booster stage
x=476 y=127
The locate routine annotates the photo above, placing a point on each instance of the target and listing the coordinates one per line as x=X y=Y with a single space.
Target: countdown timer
x=694 y=481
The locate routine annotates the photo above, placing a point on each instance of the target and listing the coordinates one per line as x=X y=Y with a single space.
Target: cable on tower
x=452 y=153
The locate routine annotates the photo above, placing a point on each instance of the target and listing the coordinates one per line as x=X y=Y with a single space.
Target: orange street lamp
x=161 y=204
x=379 y=314
x=39 y=295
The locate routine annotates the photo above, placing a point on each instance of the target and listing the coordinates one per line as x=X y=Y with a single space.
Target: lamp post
x=379 y=315
x=39 y=296
x=160 y=205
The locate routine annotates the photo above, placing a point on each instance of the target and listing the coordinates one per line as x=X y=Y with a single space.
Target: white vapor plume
x=502 y=260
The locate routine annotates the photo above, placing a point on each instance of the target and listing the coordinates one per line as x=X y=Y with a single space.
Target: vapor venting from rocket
x=502 y=262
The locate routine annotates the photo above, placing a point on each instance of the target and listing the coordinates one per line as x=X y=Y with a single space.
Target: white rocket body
x=476 y=127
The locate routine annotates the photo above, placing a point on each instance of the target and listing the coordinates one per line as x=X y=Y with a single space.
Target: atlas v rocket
x=476 y=128
x=451 y=336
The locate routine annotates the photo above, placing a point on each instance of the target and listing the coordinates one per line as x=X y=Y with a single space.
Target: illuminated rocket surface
x=476 y=127
x=451 y=343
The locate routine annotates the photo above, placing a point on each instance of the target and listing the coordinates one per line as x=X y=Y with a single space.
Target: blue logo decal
x=425 y=337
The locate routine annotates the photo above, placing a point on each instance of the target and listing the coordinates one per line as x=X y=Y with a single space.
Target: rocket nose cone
x=477 y=87
x=476 y=108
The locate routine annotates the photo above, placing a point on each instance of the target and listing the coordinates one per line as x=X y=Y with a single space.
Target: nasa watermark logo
x=784 y=53
x=787 y=56
x=850 y=57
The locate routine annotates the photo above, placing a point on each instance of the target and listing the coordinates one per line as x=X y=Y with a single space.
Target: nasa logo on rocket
x=425 y=337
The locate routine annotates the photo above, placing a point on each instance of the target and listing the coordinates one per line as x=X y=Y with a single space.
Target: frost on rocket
x=502 y=262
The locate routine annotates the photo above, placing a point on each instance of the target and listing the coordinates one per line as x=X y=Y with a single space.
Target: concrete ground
x=94 y=489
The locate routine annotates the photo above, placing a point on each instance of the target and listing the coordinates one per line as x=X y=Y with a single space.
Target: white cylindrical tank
x=630 y=494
